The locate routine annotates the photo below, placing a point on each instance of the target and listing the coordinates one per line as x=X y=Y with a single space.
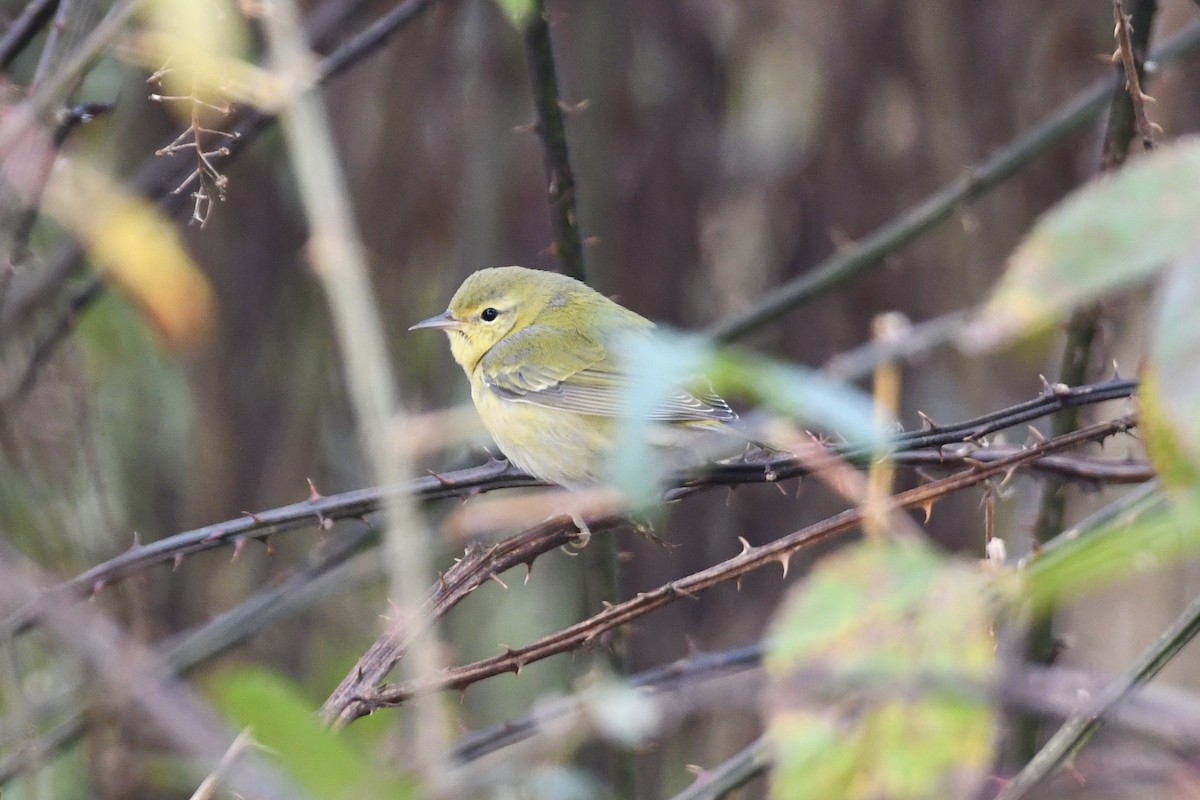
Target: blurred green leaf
x=1112 y=232
x=517 y=11
x=877 y=664
x=661 y=364
x=1172 y=385
x=1113 y=552
x=328 y=767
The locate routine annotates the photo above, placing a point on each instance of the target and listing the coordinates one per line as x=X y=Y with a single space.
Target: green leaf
x=878 y=665
x=328 y=767
x=1113 y=232
x=1172 y=384
x=1115 y=551
x=661 y=364
x=518 y=12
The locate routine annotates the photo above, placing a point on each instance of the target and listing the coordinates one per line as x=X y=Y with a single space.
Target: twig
x=1108 y=471
x=56 y=86
x=921 y=337
x=749 y=560
x=976 y=181
x=560 y=178
x=1080 y=727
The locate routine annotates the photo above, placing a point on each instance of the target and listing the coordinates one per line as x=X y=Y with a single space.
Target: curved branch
x=749 y=560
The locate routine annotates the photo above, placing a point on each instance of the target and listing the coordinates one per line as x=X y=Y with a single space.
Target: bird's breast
x=558 y=446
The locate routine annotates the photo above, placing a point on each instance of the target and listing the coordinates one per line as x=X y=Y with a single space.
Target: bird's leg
x=585 y=533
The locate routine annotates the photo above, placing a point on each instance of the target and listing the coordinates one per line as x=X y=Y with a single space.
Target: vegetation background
x=720 y=150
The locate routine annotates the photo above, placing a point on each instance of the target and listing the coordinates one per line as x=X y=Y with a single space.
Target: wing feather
x=585 y=378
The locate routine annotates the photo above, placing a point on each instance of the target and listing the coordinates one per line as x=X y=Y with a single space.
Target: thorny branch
x=750 y=559
x=324 y=511
x=1128 y=59
x=560 y=178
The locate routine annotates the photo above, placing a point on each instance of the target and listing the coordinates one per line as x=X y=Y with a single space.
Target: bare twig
x=672 y=680
x=750 y=559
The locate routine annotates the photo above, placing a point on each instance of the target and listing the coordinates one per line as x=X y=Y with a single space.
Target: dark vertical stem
x=560 y=179
x=601 y=565
x=1040 y=645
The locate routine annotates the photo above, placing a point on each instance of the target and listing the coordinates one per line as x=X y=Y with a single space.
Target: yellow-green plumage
x=538 y=349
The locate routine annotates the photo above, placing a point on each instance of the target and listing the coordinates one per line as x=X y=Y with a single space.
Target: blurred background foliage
x=720 y=149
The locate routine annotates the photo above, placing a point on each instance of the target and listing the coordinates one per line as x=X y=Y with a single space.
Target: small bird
x=539 y=351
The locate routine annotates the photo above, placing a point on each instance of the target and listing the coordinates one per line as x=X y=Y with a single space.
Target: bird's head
x=493 y=303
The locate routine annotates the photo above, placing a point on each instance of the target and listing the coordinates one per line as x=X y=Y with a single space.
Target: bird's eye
x=489 y=315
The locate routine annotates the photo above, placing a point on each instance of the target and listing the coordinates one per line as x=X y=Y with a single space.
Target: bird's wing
x=584 y=378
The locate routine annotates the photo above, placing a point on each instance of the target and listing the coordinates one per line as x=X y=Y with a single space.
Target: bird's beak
x=444 y=321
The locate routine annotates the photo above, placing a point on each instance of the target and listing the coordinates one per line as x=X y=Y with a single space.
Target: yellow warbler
x=538 y=348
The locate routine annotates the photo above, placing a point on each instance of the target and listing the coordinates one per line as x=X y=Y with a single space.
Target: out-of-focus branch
x=672 y=680
x=869 y=252
x=750 y=559
x=24 y=28
x=1081 y=726
x=340 y=262
x=560 y=178
x=325 y=573
x=138 y=680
